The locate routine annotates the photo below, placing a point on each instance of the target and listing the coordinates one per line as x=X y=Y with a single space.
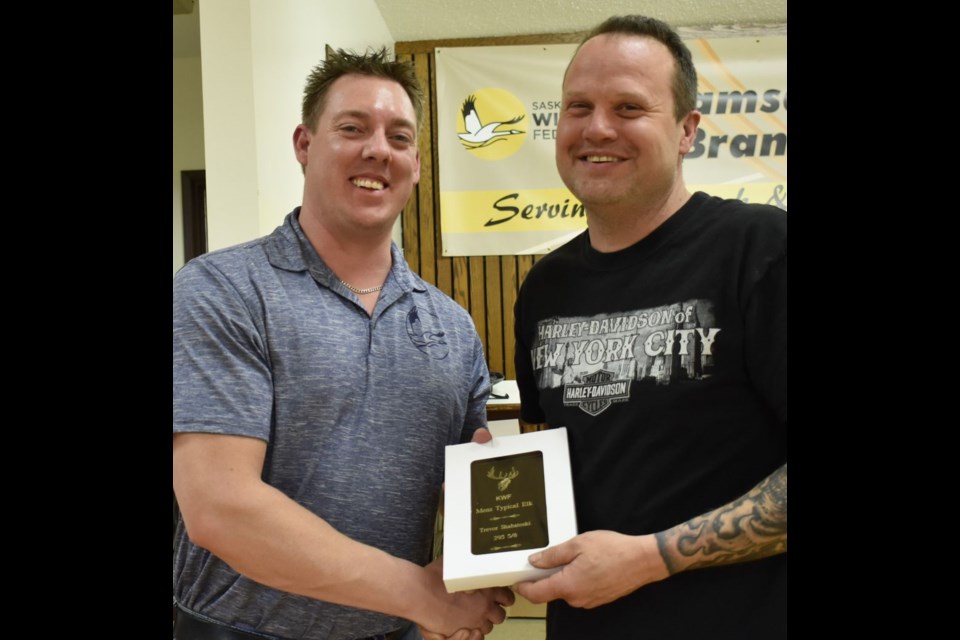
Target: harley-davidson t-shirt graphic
x=596 y=359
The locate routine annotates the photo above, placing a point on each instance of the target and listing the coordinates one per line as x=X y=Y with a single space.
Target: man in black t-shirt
x=658 y=339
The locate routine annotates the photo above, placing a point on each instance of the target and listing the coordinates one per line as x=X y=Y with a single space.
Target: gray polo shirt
x=356 y=409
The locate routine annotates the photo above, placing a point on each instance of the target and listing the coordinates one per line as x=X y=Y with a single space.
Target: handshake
x=495 y=516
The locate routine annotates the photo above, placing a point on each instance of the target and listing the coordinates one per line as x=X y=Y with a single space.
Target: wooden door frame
x=194 y=188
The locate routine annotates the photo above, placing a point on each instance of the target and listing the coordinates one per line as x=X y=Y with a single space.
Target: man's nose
x=376 y=146
x=599 y=126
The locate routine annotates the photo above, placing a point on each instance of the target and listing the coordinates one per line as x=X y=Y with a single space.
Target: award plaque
x=509 y=504
x=503 y=501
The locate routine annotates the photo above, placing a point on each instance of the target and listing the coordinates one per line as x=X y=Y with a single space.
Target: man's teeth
x=601 y=159
x=366 y=183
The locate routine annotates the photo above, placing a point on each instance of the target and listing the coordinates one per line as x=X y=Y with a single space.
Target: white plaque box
x=503 y=501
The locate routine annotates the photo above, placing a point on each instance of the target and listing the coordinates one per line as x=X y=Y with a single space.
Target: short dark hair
x=340 y=63
x=685 y=76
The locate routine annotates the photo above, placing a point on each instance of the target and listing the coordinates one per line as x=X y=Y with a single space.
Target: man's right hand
x=497 y=597
x=464 y=615
x=462 y=634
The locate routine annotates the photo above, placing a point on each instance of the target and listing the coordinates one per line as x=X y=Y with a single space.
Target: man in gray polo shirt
x=316 y=383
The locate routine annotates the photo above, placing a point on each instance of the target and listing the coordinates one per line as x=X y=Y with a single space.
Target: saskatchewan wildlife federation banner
x=497 y=111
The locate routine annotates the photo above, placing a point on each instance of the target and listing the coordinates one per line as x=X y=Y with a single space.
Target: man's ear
x=689 y=126
x=301 y=143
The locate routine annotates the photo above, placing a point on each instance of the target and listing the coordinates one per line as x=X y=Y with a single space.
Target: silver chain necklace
x=360 y=291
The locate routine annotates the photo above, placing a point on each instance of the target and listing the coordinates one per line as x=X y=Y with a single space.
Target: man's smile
x=600 y=159
x=369 y=183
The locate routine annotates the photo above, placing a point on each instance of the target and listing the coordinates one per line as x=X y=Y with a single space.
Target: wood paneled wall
x=486 y=286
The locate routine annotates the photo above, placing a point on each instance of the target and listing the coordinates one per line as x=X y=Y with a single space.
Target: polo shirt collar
x=288 y=248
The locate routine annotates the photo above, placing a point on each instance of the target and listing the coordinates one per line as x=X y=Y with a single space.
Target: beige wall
x=187 y=139
x=256 y=55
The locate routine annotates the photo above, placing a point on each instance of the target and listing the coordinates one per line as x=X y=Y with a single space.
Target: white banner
x=497 y=111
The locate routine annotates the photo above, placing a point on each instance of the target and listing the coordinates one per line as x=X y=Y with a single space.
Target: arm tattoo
x=751 y=527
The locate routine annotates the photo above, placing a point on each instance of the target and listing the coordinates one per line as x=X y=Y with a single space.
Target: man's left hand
x=482 y=436
x=597 y=567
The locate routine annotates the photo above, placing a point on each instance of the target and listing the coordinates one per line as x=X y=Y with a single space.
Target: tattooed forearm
x=753 y=526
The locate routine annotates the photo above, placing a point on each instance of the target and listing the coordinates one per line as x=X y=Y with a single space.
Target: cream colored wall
x=229 y=123
x=187 y=139
x=256 y=56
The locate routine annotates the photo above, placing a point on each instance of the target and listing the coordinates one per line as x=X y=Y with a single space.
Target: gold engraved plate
x=509 y=504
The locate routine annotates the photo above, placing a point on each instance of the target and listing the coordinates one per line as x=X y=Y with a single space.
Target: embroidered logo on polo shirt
x=426 y=333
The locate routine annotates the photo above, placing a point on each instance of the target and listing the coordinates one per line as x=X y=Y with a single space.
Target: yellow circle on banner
x=492 y=123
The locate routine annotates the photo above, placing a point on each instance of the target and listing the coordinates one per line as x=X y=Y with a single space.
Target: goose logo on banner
x=491 y=125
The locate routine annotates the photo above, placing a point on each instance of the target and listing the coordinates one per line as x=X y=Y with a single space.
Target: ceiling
x=491 y=18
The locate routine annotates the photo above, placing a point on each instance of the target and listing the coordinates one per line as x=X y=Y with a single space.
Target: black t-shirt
x=667 y=363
